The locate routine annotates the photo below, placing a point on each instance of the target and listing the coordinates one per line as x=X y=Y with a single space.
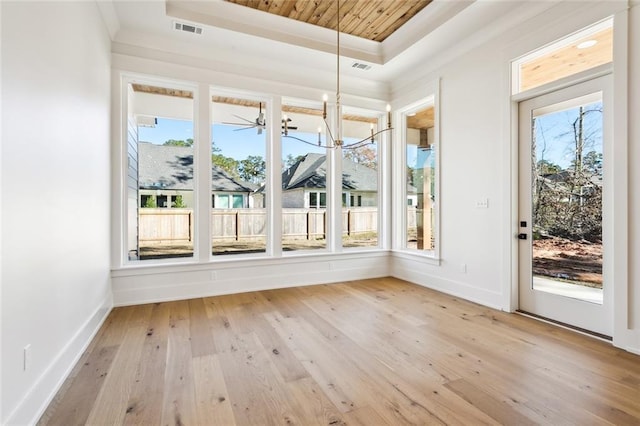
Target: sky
x=554 y=137
x=554 y=134
x=235 y=142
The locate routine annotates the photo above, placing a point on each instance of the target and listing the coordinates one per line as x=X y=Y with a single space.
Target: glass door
x=562 y=160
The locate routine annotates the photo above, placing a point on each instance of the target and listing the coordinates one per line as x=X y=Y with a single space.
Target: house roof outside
x=311 y=172
x=171 y=167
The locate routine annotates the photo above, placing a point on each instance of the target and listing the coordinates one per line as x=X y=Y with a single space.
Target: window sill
x=229 y=262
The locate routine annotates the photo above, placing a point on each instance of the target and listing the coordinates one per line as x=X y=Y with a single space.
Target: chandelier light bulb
x=325 y=98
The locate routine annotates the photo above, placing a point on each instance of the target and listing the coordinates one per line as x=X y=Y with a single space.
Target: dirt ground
x=163 y=251
x=568 y=260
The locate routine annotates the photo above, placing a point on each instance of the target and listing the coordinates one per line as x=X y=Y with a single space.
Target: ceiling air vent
x=361 y=66
x=180 y=26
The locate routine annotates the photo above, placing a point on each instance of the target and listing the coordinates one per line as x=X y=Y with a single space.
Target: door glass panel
x=567 y=146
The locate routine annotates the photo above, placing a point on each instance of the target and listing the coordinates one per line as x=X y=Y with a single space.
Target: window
x=360 y=177
x=238 y=202
x=160 y=161
x=238 y=167
x=317 y=200
x=304 y=179
x=162 y=201
x=579 y=52
x=420 y=179
x=315 y=207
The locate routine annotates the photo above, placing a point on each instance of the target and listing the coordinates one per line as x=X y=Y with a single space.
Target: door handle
x=522 y=236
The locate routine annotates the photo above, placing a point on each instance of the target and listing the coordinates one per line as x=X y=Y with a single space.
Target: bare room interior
x=331 y=212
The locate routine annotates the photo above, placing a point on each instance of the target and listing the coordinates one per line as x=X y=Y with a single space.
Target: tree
x=592 y=163
x=179 y=202
x=150 y=202
x=252 y=169
x=228 y=164
x=363 y=155
x=546 y=167
x=568 y=202
x=291 y=160
x=174 y=142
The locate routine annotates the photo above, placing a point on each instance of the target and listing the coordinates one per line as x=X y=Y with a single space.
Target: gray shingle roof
x=171 y=167
x=311 y=172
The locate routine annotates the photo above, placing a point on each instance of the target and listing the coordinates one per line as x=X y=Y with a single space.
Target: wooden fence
x=161 y=226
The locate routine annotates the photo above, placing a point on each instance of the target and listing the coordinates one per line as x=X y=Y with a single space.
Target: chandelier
x=337 y=140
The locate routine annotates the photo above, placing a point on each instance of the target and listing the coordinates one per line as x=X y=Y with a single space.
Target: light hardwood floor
x=369 y=352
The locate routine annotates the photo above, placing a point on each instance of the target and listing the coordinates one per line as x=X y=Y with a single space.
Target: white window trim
x=400 y=184
x=202 y=254
x=125 y=79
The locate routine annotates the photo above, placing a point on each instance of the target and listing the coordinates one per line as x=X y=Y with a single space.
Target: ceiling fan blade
x=244 y=119
x=236 y=124
x=244 y=128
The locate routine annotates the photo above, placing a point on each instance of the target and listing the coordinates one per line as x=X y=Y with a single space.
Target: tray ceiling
x=373 y=20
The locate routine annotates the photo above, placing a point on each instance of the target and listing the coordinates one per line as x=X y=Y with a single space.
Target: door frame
x=596 y=318
x=624 y=334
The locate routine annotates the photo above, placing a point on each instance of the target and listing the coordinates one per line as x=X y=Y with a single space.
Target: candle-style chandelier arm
x=365 y=141
x=329 y=133
x=307 y=142
x=354 y=145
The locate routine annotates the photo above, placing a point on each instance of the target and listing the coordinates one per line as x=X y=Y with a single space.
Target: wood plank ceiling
x=143 y=88
x=568 y=60
x=423 y=119
x=371 y=19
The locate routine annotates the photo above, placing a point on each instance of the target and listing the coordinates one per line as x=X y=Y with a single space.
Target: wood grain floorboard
x=369 y=352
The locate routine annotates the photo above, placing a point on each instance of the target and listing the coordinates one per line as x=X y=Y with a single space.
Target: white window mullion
x=334 y=190
x=273 y=190
x=202 y=173
x=384 y=189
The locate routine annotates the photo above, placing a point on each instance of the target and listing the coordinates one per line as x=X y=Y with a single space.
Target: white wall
x=476 y=163
x=55 y=195
x=633 y=321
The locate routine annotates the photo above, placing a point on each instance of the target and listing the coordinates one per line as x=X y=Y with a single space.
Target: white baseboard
x=162 y=285
x=38 y=398
x=454 y=288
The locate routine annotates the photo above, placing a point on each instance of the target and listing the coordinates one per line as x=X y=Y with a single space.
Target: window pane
x=567 y=193
x=238 y=169
x=223 y=201
x=360 y=178
x=238 y=201
x=420 y=178
x=580 y=52
x=304 y=171
x=323 y=199
x=160 y=166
